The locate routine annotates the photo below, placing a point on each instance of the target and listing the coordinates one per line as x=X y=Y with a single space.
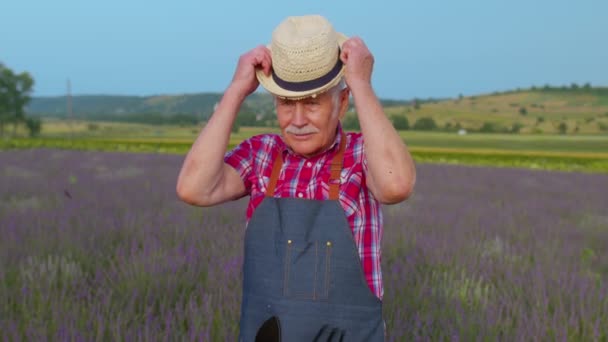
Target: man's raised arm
x=391 y=173
x=205 y=179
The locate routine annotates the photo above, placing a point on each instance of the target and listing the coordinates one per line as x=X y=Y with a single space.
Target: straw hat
x=305 y=55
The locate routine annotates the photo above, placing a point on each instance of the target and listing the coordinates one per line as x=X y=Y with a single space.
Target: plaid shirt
x=307 y=178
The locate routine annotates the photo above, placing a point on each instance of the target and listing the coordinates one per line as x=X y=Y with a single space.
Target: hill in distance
x=544 y=110
x=536 y=110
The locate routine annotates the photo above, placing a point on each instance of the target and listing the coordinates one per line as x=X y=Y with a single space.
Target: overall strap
x=335 y=168
x=276 y=170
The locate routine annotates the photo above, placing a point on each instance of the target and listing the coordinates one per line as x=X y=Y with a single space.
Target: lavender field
x=96 y=246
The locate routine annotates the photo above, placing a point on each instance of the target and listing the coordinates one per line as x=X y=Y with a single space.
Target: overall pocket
x=307 y=270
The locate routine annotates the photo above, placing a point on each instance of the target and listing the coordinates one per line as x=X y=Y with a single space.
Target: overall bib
x=302 y=267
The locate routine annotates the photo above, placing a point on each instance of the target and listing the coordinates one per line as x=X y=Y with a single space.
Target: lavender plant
x=96 y=246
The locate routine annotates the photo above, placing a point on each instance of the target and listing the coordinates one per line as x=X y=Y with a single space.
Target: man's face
x=309 y=125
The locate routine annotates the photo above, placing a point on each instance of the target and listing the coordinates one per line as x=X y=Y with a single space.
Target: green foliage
x=492 y=127
x=489 y=127
x=563 y=128
x=523 y=111
x=15 y=91
x=182 y=119
x=516 y=127
x=236 y=127
x=425 y=124
x=34 y=125
x=351 y=122
x=250 y=118
x=104 y=107
x=400 y=122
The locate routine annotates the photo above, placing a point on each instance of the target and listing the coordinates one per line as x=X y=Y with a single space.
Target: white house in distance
x=462 y=131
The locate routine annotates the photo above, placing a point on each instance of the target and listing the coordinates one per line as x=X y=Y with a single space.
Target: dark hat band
x=310 y=84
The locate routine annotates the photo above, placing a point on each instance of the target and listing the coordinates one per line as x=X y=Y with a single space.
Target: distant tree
x=563 y=127
x=351 y=122
x=488 y=127
x=400 y=122
x=516 y=127
x=34 y=125
x=5 y=112
x=247 y=116
x=574 y=86
x=183 y=119
x=540 y=119
x=587 y=86
x=425 y=124
x=235 y=127
x=15 y=91
x=523 y=111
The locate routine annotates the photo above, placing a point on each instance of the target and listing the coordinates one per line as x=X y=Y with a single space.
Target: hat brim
x=267 y=81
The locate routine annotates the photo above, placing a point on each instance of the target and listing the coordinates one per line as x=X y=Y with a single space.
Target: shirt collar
x=331 y=147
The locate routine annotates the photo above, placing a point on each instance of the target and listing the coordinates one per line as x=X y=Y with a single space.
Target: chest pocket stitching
x=319 y=290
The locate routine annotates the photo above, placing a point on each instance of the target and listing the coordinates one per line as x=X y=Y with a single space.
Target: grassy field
x=586 y=153
x=584 y=144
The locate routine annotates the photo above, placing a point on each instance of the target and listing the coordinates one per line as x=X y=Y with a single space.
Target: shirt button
x=300 y=194
x=309 y=164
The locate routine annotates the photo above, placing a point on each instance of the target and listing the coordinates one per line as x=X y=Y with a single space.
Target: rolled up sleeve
x=240 y=159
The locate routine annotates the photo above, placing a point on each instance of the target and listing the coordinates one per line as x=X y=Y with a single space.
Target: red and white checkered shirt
x=307 y=178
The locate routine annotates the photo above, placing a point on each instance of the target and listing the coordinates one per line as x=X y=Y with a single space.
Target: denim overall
x=302 y=273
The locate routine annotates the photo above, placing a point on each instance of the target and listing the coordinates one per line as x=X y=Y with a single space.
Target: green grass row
x=517 y=159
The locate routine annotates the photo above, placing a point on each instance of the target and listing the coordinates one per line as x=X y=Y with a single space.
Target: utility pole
x=69 y=108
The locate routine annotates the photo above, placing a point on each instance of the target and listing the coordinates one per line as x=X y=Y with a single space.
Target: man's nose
x=299 y=116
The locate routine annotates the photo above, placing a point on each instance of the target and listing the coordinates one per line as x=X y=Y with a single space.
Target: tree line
x=15 y=93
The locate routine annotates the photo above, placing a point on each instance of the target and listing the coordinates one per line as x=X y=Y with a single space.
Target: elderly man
x=312 y=246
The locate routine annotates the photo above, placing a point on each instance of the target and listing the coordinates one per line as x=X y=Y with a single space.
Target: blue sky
x=422 y=49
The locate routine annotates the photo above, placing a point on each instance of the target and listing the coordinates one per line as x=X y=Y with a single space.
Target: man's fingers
x=344 y=55
x=268 y=65
x=261 y=58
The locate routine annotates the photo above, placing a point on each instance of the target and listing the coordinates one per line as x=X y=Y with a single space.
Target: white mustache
x=308 y=129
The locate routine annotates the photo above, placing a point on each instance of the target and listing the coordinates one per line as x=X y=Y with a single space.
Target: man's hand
x=244 y=81
x=359 y=62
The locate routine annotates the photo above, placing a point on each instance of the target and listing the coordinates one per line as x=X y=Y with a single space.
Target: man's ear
x=344 y=97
